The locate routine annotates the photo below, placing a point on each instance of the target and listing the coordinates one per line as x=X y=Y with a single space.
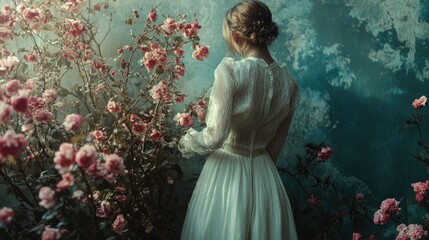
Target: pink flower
x=114 y=107
x=47 y=197
x=7 y=64
x=64 y=157
x=97 y=169
x=416 y=232
x=6 y=215
x=201 y=52
x=121 y=198
x=324 y=154
x=161 y=92
x=27 y=128
x=390 y=205
x=418 y=103
x=5 y=112
x=139 y=128
x=12 y=144
x=120 y=224
x=183 y=119
x=381 y=218
x=156 y=135
x=191 y=30
x=357 y=236
x=19 y=103
x=98 y=135
x=313 y=200
x=72 y=122
x=13 y=86
x=86 y=156
x=49 y=95
x=179 y=70
x=42 y=116
x=51 y=234
x=120 y=189
x=152 y=15
x=180 y=98
x=114 y=164
x=104 y=210
x=97 y=7
x=169 y=26
x=420 y=189
x=200 y=110
x=66 y=182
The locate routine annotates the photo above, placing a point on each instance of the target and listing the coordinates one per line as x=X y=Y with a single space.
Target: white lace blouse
x=251 y=107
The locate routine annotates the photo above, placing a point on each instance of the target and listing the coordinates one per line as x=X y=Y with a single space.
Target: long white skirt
x=232 y=201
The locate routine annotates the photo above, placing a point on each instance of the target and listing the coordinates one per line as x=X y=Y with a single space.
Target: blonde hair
x=252 y=20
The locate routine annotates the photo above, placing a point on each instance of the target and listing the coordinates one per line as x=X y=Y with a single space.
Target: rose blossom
x=47 y=197
x=420 y=189
x=121 y=198
x=4 y=112
x=66 y=182
x=49 y=95
x=324 y=154
x=20 y=102
x=97 y=7
x=120 y=224
x=97 y=169
x=51 y=234
x=104 y=210
x=72 y=122
x=86 y=156
x=390 y=205
x=12 y=144
x=201 y=52
x=114 y=164
x=156 y=135
x=357 y=236
x=152 y=15
x=98 y=135
x=381 y=217
x=169 y=26
x=183 y=119
x=7 y=64
x=416 y=232
x=6 y=215
x=42 y=115
x=161 y=92
x=418 y=103
x=180 y=98
x=13 y=86
x=27 y=128
x=114 y=107
x=64 y=157
x=139 y=128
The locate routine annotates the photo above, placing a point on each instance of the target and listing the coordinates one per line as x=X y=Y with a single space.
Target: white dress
x=239 y=194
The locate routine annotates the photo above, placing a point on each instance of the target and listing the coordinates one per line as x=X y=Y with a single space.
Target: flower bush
x=83 y=155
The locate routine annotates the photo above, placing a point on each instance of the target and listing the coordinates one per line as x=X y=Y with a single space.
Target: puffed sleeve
x=218 y=115
x=276 y=144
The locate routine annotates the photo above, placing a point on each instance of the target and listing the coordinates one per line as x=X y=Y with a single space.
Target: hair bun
x=263 y=32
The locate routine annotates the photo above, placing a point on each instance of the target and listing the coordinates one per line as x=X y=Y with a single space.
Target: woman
x=239 y=194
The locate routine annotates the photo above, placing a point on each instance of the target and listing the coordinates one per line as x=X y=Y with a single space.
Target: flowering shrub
x=93 y=160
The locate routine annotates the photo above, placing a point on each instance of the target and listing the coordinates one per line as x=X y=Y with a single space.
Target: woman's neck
x=260 y=52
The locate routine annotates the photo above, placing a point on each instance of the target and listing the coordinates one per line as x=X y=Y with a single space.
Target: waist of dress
x=243 y=151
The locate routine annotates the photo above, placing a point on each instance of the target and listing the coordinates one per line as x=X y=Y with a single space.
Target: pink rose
x=51 y=234
x=156 y=135
x=6 y=215
x=390 y=205
x=12 y=144
x=179 y=70
x=49 y=95
x=47 y=197
x=42 y=115
x=98 y=135
x=418 y=103
x=420 y=189
x=121 y=198
x=139 y=128
x=120 y=189
x=324 y=154
x=13 y=86
x=169 y=26
x=86 y=156
x=357 y=236
x=72 y=122
x=120 y=224
x=7 y=64
x=161 y=92
x=381 y=218
x=416 y=232
x=313 y=200
x=183 y=119
x=104 y=210
x=152 y=15
x=97 y=7
x=180 y=98
x=201 y=52
x=66 y=182
x=97 y=169
x=19 y=103
x=114 y=107
x=5 y=112
x=114 y=164
x=27 y=128
x=64 y=157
